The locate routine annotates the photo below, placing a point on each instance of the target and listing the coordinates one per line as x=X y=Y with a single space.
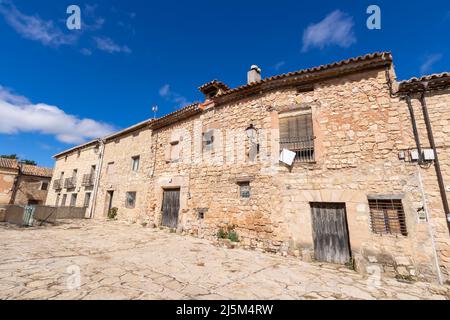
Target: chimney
x=254 y=75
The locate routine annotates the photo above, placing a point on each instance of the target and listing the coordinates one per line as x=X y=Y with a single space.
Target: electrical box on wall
x=428 y=155
x=414 y=154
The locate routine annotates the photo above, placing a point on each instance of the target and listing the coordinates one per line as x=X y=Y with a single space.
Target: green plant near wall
x=221 y=234
x=112 y=213
x=233 y=236
x=229 y=233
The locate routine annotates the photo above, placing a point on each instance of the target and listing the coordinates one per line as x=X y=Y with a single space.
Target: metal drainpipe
x=414 y=125
x=437 y=166
x=97 y=179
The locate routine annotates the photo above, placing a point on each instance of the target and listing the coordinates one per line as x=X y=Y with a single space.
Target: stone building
x=323 y=163
x=23 y=184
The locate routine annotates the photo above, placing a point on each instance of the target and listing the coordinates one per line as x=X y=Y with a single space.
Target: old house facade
x=23 y=184
x=360 y=190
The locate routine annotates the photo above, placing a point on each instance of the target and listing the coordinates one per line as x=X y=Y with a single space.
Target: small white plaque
x=287 y=157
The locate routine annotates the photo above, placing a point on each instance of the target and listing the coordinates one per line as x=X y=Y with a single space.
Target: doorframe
x=164 y=189
x=346 y=223
x=108 y=201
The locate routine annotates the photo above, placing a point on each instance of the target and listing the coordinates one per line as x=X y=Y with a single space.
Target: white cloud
x=169 y=95
x=108 y=45
x=86 y=52
x=32 y=27
x=335 y=29
x=18 y=114
x=278 y=65
x=430 y=60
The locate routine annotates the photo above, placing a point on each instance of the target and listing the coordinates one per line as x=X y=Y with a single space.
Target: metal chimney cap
x=255 y=67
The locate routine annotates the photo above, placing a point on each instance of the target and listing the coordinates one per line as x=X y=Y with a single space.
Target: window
x=73 y=200
x=44 y=186
x=387 y=217
x=208 y=140
x=110 y=168
x=174 y=151
x=244 y=189
x=135 y=163
x=87 y=199
x=74 y=173
x=57 y=199
x=130 y=201
x=64 y=200
x=296 y=134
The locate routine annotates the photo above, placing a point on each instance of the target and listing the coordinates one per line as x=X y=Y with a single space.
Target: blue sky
x=59 y=87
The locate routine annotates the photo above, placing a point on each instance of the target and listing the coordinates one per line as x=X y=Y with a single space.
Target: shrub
x=221 y=234
x=229 y=234
x=112 y=213
x=233 y=236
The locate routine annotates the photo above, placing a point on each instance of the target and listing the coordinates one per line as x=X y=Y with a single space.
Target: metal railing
x=302 y=146
x=57 y=184
x=88 y=180
x=70 y=183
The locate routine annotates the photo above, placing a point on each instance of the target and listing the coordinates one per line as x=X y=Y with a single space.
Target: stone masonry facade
x=363 y=150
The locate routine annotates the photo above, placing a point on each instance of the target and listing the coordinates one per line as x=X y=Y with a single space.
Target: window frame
x=135 y=163
x=127 y=203
x=244 y=184
x=42 y=184
x=73 y=198
x=297 y=134
x=382 y=221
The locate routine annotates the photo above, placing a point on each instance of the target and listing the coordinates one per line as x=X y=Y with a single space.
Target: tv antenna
x=155 y=110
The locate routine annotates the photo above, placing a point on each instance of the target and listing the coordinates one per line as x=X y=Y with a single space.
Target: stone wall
x=30 y=189
x=359 y=132
x=7 y=177
x=438 y=104
x=117 y=175
x=81 y=161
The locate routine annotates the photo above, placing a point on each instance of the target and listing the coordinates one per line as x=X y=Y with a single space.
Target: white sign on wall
x=287 y=157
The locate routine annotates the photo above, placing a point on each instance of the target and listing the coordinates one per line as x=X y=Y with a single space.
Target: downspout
x=97 y=178
x=437 y=166
x=414 y=125
x=430 y=230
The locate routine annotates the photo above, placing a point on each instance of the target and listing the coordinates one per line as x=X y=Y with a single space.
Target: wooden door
x=170 y=208
x=108 y=201
x=330 y=233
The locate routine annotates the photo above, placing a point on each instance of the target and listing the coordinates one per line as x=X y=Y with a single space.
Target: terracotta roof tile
x=214 y=83
x=383 y=57
x=37 y=171
x=8 y=163
x=435 y=82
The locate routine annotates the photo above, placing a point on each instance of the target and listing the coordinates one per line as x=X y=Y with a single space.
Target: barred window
x=244 y=189
x=387 y=217
x=130 y=200
x=296 y=134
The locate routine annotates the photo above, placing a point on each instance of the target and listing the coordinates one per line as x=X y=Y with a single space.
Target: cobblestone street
x=122 y=261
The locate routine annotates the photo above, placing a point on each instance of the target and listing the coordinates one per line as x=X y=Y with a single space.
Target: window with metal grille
x=296 y=134
x=244 y=189
x=387 y=217
x=130 y=200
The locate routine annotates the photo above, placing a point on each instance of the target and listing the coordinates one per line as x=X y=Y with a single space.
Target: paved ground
x=120 y=261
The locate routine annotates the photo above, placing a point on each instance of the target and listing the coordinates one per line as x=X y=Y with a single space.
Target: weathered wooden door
x=170 y=208
x=330 y=232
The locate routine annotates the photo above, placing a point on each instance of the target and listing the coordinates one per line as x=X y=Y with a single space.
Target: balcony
x=70 y=183
x=302 y=146
x=57 y=184
x=88 y=180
